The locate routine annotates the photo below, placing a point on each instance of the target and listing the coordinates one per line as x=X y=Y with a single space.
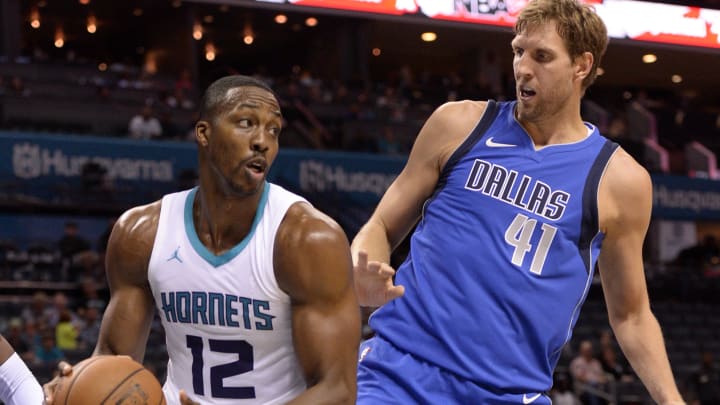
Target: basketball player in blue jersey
x=253 y=285
x=514 y=203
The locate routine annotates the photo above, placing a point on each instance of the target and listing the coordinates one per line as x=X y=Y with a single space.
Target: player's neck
x=221 y=222
x=564 y=126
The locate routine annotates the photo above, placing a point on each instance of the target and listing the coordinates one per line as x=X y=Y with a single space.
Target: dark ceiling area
x=128 y=30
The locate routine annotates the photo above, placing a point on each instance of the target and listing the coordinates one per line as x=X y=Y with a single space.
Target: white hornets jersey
x=227 y=322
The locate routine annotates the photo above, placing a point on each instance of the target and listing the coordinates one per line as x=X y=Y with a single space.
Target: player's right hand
x=374 y=282
x=185 y=399
x=64 y=370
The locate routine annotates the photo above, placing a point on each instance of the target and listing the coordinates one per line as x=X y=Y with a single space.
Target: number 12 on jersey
x=520 y=233
x=240 y=349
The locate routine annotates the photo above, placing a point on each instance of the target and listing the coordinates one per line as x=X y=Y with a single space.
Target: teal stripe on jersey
x=210 y=257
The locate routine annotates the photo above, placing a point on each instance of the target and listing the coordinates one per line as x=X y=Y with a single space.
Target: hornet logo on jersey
x=176 y=255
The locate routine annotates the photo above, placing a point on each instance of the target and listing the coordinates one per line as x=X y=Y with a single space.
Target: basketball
x=109 y=380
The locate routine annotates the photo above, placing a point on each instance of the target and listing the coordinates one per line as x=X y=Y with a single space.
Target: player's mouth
x=256 y=166
x=526 y=93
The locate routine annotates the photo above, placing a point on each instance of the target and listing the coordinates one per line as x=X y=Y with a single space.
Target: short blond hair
x=578 y=25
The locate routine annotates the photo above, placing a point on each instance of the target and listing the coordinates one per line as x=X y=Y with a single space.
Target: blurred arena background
x=98 y=100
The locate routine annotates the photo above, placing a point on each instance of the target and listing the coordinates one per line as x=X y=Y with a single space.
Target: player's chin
x=247 y=186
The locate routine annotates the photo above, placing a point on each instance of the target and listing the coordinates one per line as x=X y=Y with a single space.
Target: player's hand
x=374 y=282
x=185 y=399
x=64 y=370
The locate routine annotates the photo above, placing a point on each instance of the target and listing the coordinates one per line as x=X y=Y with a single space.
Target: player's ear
x=583 y=65
x=202 y=133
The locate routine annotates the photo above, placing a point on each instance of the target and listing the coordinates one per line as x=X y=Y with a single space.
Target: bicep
x=316 y=271
x=126 y=322
x=628 y=202
x=326 y=334
x=401 y=205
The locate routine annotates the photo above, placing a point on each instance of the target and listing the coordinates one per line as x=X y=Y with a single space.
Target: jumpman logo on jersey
x=176 y=255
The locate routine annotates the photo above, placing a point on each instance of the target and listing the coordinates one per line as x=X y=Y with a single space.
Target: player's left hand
x=185 y=399
x=64 y=370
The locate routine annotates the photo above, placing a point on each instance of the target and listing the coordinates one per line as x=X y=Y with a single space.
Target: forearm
x=642 y=343
x=326 y=393
x=372 y=239
x=5 y=350
x=17 y=384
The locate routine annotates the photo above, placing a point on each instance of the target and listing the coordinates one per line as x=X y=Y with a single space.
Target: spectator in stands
x=169 y=129
x=90 y=328
x=178 y=99
x=14 y=336
x=37 y=310
x=606 y=339
x=48 y=354
x=145 y=125
x=303 y=121
x=90 y=295
x=588 y=375
x=31 y=337
x=617 y=129
x=611 y=366
x=71 y=242
x=59 y=306
x=704 y=384
x=388 y=143
x=185 y=83
x=66 y=333
x=561 y=394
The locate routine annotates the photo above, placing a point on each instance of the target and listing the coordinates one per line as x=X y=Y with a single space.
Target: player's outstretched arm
x=625 y=202
x=17 y=384
x=126 y=322
x=401 y=205
x=313 y=266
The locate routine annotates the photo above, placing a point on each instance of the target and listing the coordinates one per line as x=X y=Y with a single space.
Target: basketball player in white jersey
x=253 y=285
x=17 y=384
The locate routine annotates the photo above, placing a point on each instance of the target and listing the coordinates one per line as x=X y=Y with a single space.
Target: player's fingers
x=396 y=292
x=49 y=390
x=362 y=260
x=386 y=270
x=65 y=368
x=373 y=266
x=185 y=399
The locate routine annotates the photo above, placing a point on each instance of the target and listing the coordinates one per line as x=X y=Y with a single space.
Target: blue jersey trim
x=590 y=226
x=491 y=111
x=202 y=251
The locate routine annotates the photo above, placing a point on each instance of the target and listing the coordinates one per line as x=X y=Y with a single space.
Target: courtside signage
x=625 y=19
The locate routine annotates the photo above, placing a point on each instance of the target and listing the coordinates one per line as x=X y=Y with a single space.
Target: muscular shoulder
x=625 y=192
x=457 y=117
x=132 y=239
x=306 y=227
x=137 y=226
x=310 y=247
x=446 y=129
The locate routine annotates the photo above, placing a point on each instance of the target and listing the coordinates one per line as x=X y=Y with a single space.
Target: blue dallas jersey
x=502 y=258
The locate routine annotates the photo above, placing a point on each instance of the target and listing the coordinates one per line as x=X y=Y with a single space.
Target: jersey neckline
x=204 y=252
x=578 y=144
